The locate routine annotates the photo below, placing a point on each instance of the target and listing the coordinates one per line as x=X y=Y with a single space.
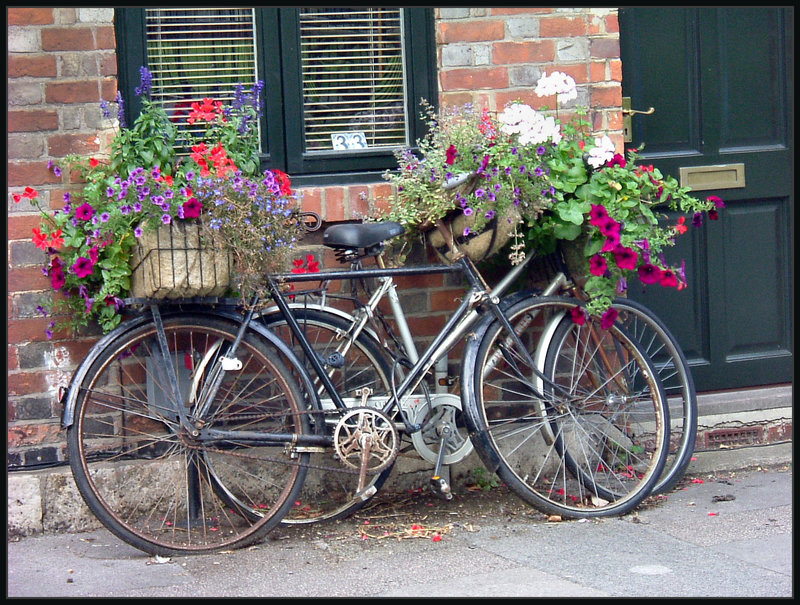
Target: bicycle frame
x=456 y=327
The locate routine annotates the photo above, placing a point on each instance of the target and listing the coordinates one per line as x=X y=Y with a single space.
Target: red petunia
x=84 y=212
x=625 y=257
x=578 y=315
x=598 y=265
x=192 y=208
x=57 y=278
x=668 y=279
x=649 y=274
x=83 y=267
x=608 y=318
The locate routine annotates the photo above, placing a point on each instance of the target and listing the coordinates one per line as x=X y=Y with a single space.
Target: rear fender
x=69 y=397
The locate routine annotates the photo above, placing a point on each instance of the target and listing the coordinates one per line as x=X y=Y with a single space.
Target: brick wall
x=62 y=61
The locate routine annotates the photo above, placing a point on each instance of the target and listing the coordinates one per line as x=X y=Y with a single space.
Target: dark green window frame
x=278 y=56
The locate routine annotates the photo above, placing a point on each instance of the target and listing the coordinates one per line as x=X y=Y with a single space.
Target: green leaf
x=567 y=231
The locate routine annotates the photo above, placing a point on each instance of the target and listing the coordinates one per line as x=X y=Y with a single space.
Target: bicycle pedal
x=441 y=488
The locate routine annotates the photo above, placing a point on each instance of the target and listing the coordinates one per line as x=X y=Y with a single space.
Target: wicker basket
x=477 y=246
x=175 y=262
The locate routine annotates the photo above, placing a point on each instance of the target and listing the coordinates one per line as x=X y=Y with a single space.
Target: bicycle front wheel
x=676 y=377
x=166 y=488
x=571 y=417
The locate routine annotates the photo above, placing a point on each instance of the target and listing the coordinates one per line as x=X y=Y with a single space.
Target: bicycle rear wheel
x=168 y=490
x=361 y=373
x=576 y=424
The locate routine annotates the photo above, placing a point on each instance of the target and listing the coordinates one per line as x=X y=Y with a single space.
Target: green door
x=720 y=80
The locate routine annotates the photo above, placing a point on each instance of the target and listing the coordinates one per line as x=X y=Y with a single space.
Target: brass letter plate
x=722 y=176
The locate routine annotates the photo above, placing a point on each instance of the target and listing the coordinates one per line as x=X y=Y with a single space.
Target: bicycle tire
x=156 y=485
x=676 y=378
x=577 y=357
x=328 y=495
x=530 y=441
x=673 y=369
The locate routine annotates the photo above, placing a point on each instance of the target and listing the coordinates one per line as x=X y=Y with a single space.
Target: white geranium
x=602 y=151
x=531 y=126
x=557 y=83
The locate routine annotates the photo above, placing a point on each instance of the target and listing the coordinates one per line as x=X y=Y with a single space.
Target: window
x=342 y=85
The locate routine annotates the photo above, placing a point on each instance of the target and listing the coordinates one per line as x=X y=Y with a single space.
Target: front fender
x=70 y=398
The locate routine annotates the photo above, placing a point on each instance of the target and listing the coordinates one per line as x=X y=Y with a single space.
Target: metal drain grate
x=743 y=436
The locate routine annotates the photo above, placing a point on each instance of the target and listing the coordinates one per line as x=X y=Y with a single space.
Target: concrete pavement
x=726 y=533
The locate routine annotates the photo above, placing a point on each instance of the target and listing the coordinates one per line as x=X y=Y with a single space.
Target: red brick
x=26 y=383
x=106 y=40
x=31 y=329
x=36 y=66
x=612 y=24
x=524 y=95
x=471 y=79
x=312 y=199
x=29 y=174
x=72 y=92
x=108 y=88
x=419 y=281
x=606 y=96
x=614 y=120
x=382 y=196
x=32 y=121
x=12 y=359
x=562 y=27
x=108 y=67
x=480 y=30
x=29 y=16
x=430 y=325
x=539 y=51
x=616 y=70
x=446 y=300
x=34 y=434
x=578 y=71
x=81 y=144
x=20 y=227
x=456 y=98
x=72 y=38
x=334 y=204
x=597 y=71
x=23 y=280
x=358 y=196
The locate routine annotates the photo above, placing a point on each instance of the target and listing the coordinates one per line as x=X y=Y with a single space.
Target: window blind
x=352 y=72
x=197 y=53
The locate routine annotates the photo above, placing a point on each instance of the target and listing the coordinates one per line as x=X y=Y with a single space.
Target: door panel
x=720 y=80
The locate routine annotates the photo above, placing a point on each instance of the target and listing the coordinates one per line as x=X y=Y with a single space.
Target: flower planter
x=175 y=262
x=477 y=246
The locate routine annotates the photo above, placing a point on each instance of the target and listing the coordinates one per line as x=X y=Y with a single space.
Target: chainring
x=366 y=431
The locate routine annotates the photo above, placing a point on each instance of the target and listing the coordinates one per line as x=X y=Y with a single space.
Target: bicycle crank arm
x=439 y=484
